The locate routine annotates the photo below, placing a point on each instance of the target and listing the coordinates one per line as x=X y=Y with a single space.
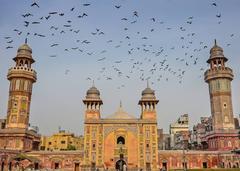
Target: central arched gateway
x=120 y=165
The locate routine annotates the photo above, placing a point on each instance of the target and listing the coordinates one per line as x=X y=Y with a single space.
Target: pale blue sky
x=182 y=32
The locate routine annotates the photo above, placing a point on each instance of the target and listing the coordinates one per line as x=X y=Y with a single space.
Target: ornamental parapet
x=218 y=72
x=22 y=72
x=221 y=132
x=120 y=121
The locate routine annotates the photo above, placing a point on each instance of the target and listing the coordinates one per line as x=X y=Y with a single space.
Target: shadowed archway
x=120 y=165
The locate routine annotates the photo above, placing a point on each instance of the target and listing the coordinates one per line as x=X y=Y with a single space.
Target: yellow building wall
x=111 y=148
x=61 y=141
x=109 y=144
x=107 y=151
x=132 y=146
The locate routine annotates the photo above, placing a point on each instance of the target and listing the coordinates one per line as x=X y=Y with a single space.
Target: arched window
x=229 y=144
x=26 y=64
x=214 y=64
x=120 y=140
x=219 y=63
x=21 y=62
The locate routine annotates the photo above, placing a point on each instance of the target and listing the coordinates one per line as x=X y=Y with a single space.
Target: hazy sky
x=119 y=44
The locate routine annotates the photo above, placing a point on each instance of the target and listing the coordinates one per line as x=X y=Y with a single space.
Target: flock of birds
x=155 y=66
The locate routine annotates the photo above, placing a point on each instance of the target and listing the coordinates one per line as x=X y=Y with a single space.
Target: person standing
x=124 y=167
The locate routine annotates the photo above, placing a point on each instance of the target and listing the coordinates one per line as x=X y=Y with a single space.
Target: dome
x=216 y=52
x=120 y=114
x=93 y=90
x=24 y=51
x=25 y=47
x=148 y=91
x=93 y=93
x=216 y=48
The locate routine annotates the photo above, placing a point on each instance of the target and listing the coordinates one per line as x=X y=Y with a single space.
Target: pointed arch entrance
x=120 y=165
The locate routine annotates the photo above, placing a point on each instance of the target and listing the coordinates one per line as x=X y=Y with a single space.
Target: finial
x=215 y=42
x=120 y=103
x=147 y=83
x=93 y=84
x=25 y=40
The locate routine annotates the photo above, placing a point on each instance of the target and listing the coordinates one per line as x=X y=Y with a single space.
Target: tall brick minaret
x=219 y=78
x=147 y=144
x=21 y=78
x=17 y=135
x=224 y=136
x=92 y=142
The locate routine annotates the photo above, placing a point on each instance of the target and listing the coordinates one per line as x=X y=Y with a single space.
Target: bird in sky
x=132 y=39
x=214 y=4
x=117 y=6
x=218 y=15
x=35 y=4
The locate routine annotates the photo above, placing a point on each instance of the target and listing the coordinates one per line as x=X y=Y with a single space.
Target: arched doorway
x=56 y=165
x=10 y=166
x=56 y=162
x=164 y=165
x=120 y=165
x=2 y=166
x=36 y=166
x=120 y=140
x=237 y=165
x=76 y=166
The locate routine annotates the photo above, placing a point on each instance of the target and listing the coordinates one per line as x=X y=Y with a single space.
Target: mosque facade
x=121 y=140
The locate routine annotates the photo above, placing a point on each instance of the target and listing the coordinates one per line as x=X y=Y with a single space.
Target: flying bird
x=81 y=16
x=101 y=59
x=27 y=15
x=53 y=56
x=47 y=17
x=117 y=6
x=35 y=22
x=34 y=4
x=55 y=44
x=218 y=15
x=135 y=13
x=153 y=19
x=214 y=4
x=86 y=5
x=86 y=42
x=51 y=13
x=26 y=23
x=10 y=41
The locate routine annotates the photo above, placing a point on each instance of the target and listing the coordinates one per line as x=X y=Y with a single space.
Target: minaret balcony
x=22 y=72
x=218 y=72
